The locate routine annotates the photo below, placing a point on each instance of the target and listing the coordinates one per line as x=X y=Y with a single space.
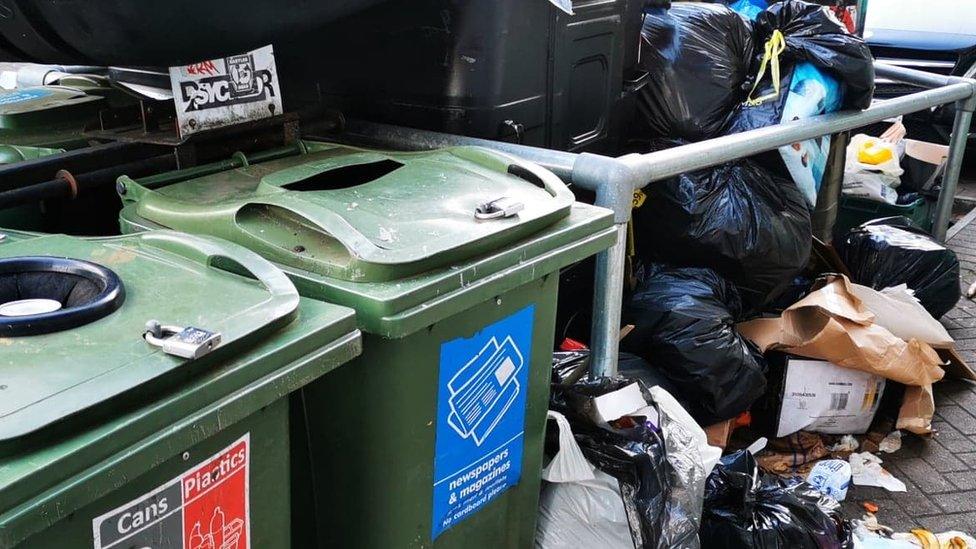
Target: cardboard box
x=817 y=396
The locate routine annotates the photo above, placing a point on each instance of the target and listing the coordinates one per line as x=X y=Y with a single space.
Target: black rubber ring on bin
x=108 y=300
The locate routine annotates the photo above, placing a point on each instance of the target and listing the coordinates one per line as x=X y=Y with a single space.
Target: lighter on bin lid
x=361 y=215
x=94 y=348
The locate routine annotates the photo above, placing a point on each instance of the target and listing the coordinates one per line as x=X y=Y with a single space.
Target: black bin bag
x=887 y=252
x=697 y=57
x=822 y=68
x=747 y=509
x=750 y=226
x=636 y=457
x=813 y=35
x=683 y=327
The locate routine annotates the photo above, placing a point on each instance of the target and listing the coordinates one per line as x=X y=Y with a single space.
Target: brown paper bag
x=917 y=409
x=832 y=324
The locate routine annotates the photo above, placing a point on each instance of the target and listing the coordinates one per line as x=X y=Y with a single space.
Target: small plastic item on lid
x=874 y=153
x=28 y=307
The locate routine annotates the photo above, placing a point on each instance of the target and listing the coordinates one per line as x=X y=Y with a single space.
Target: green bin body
x=106 y=440
x=434 y=436
x=853 y=211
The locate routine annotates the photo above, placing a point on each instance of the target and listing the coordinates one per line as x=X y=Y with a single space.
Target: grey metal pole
x=828 y=199
x=695 y=156
x=914 y=77
x=608 y=297
x=862 y=14
x=950 y=180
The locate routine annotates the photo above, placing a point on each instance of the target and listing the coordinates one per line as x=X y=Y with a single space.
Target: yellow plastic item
x=871 y=152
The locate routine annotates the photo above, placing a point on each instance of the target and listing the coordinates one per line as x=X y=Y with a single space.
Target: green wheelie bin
x=39 y=121
x=145 y=386
x=433 y=437
x=51 y=117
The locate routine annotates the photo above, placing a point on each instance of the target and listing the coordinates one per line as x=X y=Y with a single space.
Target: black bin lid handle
x=108 y=300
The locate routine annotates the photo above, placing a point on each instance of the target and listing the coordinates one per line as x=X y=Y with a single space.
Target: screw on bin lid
x=29 y=307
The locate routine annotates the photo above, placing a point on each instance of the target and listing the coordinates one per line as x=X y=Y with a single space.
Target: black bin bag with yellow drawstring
x=813 y=34
x=792 y=32
x=807 y=64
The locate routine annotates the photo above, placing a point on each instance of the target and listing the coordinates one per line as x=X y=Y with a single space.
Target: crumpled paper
x=833 y=324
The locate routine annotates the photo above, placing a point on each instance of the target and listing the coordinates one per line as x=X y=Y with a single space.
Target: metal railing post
x=608 y=297
x=950 y=180
x=614 y=184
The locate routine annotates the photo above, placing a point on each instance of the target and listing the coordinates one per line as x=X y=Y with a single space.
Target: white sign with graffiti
x=226 y=91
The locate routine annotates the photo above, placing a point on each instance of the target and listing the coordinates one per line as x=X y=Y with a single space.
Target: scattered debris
x=846 y=444
x=831 y=477
x=891 y=443
x=869 y=524
x=867 y=471
x=793 y=454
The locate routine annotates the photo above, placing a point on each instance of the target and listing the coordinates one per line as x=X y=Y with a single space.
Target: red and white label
x=207 y=507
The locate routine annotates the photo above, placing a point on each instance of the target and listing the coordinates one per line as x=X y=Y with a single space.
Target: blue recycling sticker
x=480 y=418
x=19 y=96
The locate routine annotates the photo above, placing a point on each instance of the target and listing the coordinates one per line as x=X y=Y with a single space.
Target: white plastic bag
x=580 y=506
x=588 y=513
x=569 y=464
x=872 y=181
x=691 y=460
x=867 y=185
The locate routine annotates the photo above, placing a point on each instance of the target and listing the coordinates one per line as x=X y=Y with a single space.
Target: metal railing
x=615 y=179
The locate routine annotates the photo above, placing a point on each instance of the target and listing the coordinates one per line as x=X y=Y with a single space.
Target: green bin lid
x=397 y=309
x=46 y=116
x=360 y=215
x=176 y=279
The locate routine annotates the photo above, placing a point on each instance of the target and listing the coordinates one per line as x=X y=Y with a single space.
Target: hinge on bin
x=188 y=342
x=516 y=127
x=498 y=208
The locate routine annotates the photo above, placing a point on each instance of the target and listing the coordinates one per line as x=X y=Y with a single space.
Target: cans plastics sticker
x=204 y=508
x=19 y=96
x=480 y=418
x=226 y=91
